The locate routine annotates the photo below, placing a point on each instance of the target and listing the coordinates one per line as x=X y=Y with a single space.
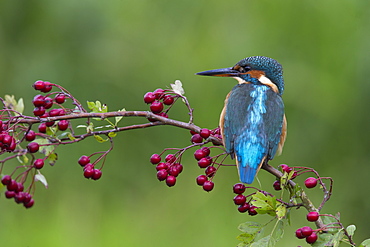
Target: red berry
x=39 y=111
x=19 y=188
x=170 y=181
x=199 y=154
x=29 y=204
x=54 y=112
x=63 y=125
x=211 y=171
x=310 y=182
x=47 y=87
x=276 y=185
x=149 y=97
x=38 y=164
x=174 y=171
x=178 y=167
x=50 y=123
x=162 y=175
x=42 y=128
x=201 y=179
x=30 y=136
x=27 y=197
x=7 y=139
x=312 y=216
x=155 y=159
x=284 y=167
x=12 y=185
x=252 y=210
x=170 y=158
x=244 y=208
x=208 y=185
x=192 y=132
x=88 y=171
x=161 y=166
x=97 y=174
x=239 y=199
x=38 y=85
x=6 y=179
x=312 y=238
x=33 y=147
x=206 y=150
x=12 y=145
x=168 y=100
x=19 y=197
x=196 y=138
x=158 y=93
x=298 y=233
x=9 y=194
x=205 y=133
x=60 y=98
x=83 y=160
x=48 y=102
x=156 y=107
x=204 y=162
x=239 y=188
x=306 y=231
x=38 y=100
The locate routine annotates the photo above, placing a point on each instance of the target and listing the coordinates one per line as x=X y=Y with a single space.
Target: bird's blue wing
x=251 y=127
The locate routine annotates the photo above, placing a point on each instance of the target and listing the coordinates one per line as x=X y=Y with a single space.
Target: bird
x=253 y=123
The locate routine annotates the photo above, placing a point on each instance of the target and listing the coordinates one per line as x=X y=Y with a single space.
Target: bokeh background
x=117 y=50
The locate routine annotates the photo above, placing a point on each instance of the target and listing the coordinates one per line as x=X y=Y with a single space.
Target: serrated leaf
x=52 y=158
x=119 y=118
x=112 y=134
x=351 y=229
x=245 y=238
x=278 y=231
x=280 y=211
x=41 y=178
x=337 y=238
x=323 y=240
x=250 y=227
x=365 y=243
x=20 y=106
x=100 y=139
x=265 y=204
x=177 y=87
x=264 y=242
x=71 y=137
x=329 y=220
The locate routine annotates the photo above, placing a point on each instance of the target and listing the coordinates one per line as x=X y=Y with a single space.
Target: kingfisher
x=253 y=123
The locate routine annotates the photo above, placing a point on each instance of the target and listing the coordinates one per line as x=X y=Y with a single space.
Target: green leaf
x=100 y=139
x=330 y=220
x=112 y=134
x=265 y=204
x=323 y=240
x=280 y=211
x=267 y=241
x=20 y=106
x=351 y=229
x=250 y=227
x=278 y=232
x=46 y=150
x=119 y=118
x=365 y=243
x=337 y=238
x=52 y=158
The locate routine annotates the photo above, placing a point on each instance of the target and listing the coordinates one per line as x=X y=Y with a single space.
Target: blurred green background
x=117 y=50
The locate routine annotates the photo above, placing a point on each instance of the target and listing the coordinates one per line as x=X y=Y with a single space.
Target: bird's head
x=255 y=70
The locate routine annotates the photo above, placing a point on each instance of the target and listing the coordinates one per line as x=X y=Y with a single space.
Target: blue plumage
x=252 y=123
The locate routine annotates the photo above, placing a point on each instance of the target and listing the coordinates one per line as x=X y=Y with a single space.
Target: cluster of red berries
x=204 y=134
x=205 y=162
x=7 y=142
x=88 y=168
x=168 y=170
x=310 y=182
x=15 y=190
x=157 y=100
x=241 y=200
x=307 y=233
x=43 y=103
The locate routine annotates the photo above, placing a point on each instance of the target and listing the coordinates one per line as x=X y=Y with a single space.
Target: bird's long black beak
x=226 y=72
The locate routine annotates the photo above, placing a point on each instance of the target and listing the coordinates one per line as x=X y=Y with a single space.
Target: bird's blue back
x=252 y=126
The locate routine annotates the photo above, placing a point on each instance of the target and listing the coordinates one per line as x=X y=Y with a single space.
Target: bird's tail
x=249 y=159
